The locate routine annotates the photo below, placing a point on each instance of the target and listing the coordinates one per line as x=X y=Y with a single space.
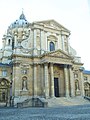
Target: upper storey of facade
x=35 y=39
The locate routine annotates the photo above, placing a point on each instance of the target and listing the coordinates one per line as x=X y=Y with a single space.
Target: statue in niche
x=24 y=83
x=77 y=85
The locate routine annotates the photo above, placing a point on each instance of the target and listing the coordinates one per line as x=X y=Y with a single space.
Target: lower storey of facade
x=42 y=80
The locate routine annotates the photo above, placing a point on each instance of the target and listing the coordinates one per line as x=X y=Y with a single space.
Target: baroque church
x=36 y=60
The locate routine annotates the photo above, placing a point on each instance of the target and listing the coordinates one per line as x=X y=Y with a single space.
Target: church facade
x=36 y=60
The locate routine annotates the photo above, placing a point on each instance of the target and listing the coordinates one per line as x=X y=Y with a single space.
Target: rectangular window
x=24 y=71
x=4 y=73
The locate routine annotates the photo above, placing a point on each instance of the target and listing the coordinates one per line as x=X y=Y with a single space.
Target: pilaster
x=42 y=79
x=35 y=80
x=16 y=79
x=82 y=83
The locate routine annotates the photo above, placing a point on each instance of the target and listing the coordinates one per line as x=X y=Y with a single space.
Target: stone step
x=64 y=101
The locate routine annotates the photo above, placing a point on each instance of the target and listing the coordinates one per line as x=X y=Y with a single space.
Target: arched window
x=52 y=46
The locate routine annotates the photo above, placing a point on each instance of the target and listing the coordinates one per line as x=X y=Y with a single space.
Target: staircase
x=66 y=101
x=33 y=102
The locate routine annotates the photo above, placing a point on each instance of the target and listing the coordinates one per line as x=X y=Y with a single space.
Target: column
x=46 y=80
x=52 y=80
x=66 y=80
x=82 y=83
x=35 y=80
x=42 y=79
x=72 y=82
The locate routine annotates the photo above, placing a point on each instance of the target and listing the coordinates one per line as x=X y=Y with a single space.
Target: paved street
x=81 y=112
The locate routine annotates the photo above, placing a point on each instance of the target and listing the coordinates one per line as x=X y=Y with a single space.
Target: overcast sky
x=73 y=14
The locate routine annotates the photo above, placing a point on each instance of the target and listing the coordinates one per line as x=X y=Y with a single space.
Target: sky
x=73 y=14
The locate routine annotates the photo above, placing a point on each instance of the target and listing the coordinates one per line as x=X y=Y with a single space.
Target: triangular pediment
x=59 y=53
x=53 y=24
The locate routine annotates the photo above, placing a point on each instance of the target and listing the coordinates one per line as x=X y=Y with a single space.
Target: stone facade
x=41 y=61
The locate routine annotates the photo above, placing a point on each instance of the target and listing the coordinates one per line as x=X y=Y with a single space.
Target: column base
x=67 y=96
x=78 y=92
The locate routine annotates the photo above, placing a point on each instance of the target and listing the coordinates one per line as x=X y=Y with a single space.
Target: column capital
x=34 y=64
x=51 y=63
x=70 y=66
x=46 y=63
x=65 y=65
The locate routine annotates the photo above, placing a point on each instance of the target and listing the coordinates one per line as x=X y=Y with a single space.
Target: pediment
x=60 y=54
x=53 y=24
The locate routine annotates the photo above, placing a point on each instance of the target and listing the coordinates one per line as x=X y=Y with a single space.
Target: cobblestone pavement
x=81 y=112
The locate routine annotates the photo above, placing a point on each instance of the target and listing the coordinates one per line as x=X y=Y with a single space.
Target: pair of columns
x=72 y=82
x=68 y=74
x=46 y=82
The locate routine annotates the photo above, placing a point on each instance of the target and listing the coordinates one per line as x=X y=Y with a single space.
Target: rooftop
x=86 y=72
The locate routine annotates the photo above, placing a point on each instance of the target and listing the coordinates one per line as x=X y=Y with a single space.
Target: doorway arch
x=4 y=92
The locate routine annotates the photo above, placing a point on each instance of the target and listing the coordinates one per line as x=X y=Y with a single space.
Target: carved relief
x=56 y=71
x=86 y=85
x=22 y=34
x=26 y=51
x=24 y=43
x=57 y=54
x=24 y=66
x=52 y=38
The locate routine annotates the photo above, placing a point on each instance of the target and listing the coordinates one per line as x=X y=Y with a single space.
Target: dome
x=21 y=22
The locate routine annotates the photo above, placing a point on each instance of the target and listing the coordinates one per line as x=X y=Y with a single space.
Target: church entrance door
x=56 y=87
